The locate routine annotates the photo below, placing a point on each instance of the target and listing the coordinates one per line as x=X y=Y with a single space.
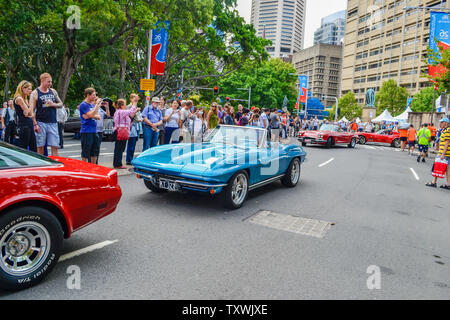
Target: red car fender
x=17 y=198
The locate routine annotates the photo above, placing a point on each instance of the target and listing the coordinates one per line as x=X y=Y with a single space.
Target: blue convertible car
x=230 y=162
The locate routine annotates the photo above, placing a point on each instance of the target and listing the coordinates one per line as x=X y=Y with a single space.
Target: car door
x=271 y=161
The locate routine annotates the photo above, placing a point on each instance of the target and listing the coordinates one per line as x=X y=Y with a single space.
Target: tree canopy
x=348 y=106
x=208 y=40
x=270 y=80
x=391 y=97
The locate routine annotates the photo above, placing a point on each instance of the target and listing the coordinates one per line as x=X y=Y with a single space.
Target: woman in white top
x=171 y=118
x=199 y=125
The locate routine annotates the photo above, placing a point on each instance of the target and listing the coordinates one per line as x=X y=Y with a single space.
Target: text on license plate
x=168 y=185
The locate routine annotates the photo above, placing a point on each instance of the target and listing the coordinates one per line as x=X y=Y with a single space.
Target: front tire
x=31 y=240
x=236 y=192
x=152 y=187
x=362 y=140
x=292 y=175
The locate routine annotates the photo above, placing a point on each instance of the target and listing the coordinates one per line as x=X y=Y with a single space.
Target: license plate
x=168 y=185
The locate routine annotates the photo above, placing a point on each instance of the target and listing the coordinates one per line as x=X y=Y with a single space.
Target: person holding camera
x=89 y=114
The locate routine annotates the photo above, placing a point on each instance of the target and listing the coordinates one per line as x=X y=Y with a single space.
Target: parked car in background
x=328 y=135
x=385 y=136
x=72 y=125
x=42 y=201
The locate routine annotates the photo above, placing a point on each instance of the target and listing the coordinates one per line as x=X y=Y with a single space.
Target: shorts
x=423 y=148
x=404 y=139
x=411 y=143
x=89 y=145
x=48 y=134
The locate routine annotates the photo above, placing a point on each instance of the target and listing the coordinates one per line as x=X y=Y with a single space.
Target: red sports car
x=42 y=201
x=328 y=135
x=382 y=136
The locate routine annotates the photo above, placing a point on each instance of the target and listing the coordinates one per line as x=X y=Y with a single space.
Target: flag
x=439 y=36
x=302 y=90
x=160 y=42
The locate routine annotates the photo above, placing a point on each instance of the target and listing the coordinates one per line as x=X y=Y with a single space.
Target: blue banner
x=439 y=35
x=160 y=42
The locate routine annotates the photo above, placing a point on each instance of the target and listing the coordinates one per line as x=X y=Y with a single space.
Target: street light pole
x=149 y=64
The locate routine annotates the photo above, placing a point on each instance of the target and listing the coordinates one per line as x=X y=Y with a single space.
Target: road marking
x=325 y=163
x=415 y=174
x=77 y=253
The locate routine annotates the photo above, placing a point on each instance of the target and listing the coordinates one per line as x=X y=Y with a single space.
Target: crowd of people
x=34 y=120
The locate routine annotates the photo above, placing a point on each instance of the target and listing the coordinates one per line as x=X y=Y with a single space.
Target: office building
x=386 y=39
x=323 y=62
x=332 y=29
x=283 y=22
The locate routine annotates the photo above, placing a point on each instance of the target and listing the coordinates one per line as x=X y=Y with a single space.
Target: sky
x=315 y=11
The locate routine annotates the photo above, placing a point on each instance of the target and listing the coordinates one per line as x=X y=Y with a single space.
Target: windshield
x=13 y=157
x=329 y=127
x=237 y=136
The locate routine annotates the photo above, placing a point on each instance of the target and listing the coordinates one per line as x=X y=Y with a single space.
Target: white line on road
x=325 y=163
x=415 y=174
x=77 y=253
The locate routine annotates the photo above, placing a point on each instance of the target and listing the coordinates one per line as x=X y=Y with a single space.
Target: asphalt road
x=178 y=246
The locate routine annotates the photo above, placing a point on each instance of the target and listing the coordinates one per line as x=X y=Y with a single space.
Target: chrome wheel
x=353 y=143
x=24 y=248
x=239 y=189
x=295 y=172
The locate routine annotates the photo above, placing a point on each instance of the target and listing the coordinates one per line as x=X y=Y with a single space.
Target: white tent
x=404 y=115
x=385 y=116
x=358 y=120
x=344 y=119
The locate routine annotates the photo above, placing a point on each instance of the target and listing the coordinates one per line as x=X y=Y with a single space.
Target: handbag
x=440 y=168
x=123 y=133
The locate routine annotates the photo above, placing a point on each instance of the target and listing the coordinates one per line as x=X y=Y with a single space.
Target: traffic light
x=338 y=111
x=323 y=97
x=228 y=99
x=216 y=90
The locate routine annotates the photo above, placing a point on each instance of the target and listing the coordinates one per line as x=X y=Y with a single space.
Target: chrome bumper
x=182 y=182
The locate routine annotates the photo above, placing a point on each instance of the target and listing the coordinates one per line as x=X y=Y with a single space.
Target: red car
x=382 y=136
x=42 y=201
x=328 y=135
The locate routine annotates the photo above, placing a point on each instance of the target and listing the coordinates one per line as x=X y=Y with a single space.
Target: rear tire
x=31 y=240
x=236 y=192
x=352 y=143
x=292 y=175
x=329 y=143
x=395 y=143
x=152 y=187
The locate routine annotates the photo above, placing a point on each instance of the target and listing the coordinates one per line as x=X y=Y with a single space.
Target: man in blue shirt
x=88 y=131
x=152 y=119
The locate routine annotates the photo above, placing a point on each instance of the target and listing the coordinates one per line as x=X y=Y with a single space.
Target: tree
x=348 y=106
x=270 y=81
x=391 y=97
x=423 y=101
x=440 y=58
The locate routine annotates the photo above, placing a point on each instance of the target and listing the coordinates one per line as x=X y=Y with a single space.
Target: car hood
x=188 y=158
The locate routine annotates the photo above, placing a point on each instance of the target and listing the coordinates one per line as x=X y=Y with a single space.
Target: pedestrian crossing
x=379 y=148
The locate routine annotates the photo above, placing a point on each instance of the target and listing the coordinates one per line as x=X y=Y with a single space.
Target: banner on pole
x=160 y=42
x=439 y=36
x=302 y=90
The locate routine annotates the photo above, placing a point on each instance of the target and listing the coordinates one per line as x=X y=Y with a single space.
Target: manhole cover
x=284 y=222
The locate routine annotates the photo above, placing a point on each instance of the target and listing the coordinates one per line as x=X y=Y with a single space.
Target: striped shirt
x=445 y=136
